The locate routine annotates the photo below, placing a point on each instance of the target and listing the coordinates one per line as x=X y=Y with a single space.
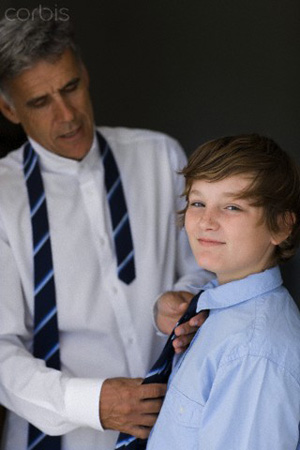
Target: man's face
x=227 y=234
x=52 y=102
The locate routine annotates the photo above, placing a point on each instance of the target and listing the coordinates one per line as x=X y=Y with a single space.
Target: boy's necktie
x=159 y=373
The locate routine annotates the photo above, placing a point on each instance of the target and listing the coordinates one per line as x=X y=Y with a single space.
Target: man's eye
x=71 y=87
x=39 y=103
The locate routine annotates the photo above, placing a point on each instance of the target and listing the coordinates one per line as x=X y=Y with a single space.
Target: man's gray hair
x=24 y=43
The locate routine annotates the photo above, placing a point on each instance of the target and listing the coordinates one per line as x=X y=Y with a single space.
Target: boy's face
x=227 y=235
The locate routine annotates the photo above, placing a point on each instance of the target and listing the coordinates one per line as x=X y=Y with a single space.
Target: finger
x=131 y=381
x=173 y=313
x=173 y=302
x=151 y=406
x=186 y=296
x=182 y=307
x=183 y=341
x=142 y=430
x=148 y=420
x=179 y=350
x=139 y=431
x=152 y=391
x=185 y=328
x=199 y=319
x=172 y=307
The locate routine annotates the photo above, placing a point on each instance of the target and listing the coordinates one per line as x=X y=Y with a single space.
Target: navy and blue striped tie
x=159 y=373
x=46 y=339
x=46 y=336
x=118 y=213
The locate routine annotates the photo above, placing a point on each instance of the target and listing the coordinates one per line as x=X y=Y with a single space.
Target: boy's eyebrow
x=225 y=194
x=233 y=194
x=33 y=100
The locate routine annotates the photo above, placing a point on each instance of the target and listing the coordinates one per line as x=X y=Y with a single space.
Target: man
x=102 y=302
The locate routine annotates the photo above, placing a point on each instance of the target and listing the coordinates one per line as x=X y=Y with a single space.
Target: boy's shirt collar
x=217 y=296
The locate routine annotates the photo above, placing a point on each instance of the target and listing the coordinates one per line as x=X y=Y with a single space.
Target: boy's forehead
x=230 y=186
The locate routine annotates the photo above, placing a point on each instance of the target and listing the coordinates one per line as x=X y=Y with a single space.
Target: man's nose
x=64 y=112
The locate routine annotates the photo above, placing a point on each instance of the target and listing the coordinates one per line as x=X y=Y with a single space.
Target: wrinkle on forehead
x=33 y=83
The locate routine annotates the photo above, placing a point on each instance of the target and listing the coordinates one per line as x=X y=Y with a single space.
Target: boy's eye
x=197 y=204
x=233 y=208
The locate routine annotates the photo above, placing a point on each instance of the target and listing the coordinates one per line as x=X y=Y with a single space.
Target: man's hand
x=130 y=407
x=169 y=308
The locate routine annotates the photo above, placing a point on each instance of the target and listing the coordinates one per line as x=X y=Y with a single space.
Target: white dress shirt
x=106 y=327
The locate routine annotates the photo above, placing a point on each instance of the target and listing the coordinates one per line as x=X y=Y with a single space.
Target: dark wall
x=194 y=69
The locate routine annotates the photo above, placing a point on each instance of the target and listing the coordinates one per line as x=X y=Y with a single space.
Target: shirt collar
x=217 y=296
x=51 y=162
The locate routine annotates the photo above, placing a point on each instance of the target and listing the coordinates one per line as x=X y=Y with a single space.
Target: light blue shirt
x=237 y=387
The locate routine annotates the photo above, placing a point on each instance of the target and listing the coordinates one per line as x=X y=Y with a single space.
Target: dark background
x=195 y=69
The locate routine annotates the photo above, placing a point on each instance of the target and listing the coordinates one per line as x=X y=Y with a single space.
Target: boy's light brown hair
x=275 y=182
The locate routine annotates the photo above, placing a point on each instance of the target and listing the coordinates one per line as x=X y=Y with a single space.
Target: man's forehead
x=47 y=77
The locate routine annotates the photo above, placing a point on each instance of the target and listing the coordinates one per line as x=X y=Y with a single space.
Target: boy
x=238 y=385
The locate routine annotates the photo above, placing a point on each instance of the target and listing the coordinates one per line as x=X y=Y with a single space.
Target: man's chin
x=74 y=146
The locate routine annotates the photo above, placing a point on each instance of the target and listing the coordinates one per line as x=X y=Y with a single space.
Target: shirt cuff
x=82 y=402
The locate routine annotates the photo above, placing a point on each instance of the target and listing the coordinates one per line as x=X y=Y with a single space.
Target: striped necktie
x=46 y=336
x=118 y=213
x=45 y=342
x=159 y=373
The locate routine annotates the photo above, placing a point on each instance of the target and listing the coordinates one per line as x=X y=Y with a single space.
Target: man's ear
x=285 y=222
x=8 y=110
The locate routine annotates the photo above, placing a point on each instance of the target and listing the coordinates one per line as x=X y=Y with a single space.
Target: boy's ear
x=285 y=222
x=8 y=111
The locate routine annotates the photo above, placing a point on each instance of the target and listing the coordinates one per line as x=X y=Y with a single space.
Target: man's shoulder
x=11 y=163
x=11 y=184
x=124 y=136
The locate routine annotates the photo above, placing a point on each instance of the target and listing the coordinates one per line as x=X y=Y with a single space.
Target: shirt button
x=102 y=242
x=181 y=410
x=114 y=290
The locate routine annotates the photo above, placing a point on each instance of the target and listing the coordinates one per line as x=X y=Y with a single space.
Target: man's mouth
x=71 y=134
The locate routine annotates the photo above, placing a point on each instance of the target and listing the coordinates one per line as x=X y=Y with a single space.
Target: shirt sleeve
x=52 y=401
x=253 y=404
x=190 y=277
